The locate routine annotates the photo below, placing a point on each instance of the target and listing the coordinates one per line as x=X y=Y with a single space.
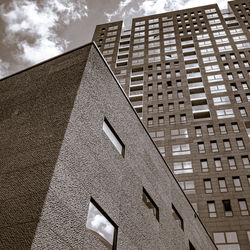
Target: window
x=208 y=186
x=234 y=87
x=248 y=178
x=215 y=78
x=162 y=151
x=244 y=85
x=160 y=108
x=214 y=146
x=237 y=99
x=180 y=93
x=243 y=111
x=150 y=122
x=182 y=149
x=227 y=207
x=150 y=203
x=237 y=183
x=226 y=240
x=188 y=187
x=240 y=143
x=184 y=167
x=179 y=133
x=150 y=108
x=177 y=217
x=160 y=96
x=223 y=129
x=231 y=163
x=217 y=163
x=204 y=165
x=170 y=95
x=222 y=185
x=161 y=120
x=224 y=113
x=236 y=65
x=201 y=147
x=198 y=131
x=245 y=161
x=235 y=127
x=170 y=106
x=183 y=118
x=227 y=145
x=102 y=225
x=114 y=138
x=191 y=247
x=218 y=89
x=211 y=209
x=181 y=105
x=229 y=76
x=243 y=207
x=172 y=119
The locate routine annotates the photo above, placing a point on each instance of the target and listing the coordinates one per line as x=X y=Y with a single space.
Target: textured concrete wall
x=35 y=106
x=56 y=156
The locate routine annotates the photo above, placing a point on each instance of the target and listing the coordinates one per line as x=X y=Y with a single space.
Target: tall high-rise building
x=187 y=75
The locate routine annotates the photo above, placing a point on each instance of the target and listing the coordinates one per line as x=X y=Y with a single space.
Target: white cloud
x=33 y=27
x=182 y=4
x=122 y=5
x=150 y=7
x=4 y=68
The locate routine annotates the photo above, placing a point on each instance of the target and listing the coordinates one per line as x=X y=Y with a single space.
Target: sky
x=34 y=31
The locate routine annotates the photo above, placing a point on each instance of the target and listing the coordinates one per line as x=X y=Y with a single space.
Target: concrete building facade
x=187 y=75
x=79 y=169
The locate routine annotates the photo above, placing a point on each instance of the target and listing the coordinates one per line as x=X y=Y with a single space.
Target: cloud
x=182 y=4
x=4 y=68
x=33 y=26
x=129 y=9
x=122 y=5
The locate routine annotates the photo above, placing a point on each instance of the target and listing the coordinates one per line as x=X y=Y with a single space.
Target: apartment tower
x=187 y=75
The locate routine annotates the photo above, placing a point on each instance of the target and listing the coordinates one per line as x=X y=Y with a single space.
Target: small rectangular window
x=150 y=203
x=243 y=207
x=227 y=208
x=211 y=209
x=114 y=138
x=102 y=225
x=177 y=217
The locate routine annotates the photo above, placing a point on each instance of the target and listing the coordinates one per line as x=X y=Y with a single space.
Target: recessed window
x=222 y=184
x=237 y=183
x=182 y=149
x=214 y=146
x=114 y=138
x=223 y=129
x=198 y=131
x=240 y=143
x=188 y=187
x=201 y=147
x=217 y=163
x=204 y=165
x=211 y=209
x=102 y=225
x=226 y=240
x=245 y=160
x=243 y=207
x=210 y=129
x=183 y=167
x=177 y=217
x=235 y=127
x=208 y=186
x=150 y=203
x=231 y=163
x=227 y=145
x=227 y=208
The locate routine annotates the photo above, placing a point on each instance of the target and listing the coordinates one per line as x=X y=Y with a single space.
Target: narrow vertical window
x=150 y=203
x=177 y=217
x=102 y=225
x=237 y=183
x=114 y=138
x=211 y=209
x=243 y=207
x=208 y=186
x=227 y=208
x=222 y=184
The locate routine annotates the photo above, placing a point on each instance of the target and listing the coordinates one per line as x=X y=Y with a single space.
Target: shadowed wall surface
x=35 y=106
